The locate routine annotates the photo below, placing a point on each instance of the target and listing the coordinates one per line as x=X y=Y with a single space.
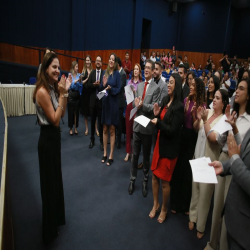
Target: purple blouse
x=135 y=84
x=188 y=119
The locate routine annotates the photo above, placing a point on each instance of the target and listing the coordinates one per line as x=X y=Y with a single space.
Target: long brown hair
x=42 y=77
x=85 y=65
x=199 y=96
x=140 y=76
x=107 y=72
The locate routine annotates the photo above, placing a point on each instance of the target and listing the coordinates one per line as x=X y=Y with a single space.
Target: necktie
x=97 y=78
x=144 y=91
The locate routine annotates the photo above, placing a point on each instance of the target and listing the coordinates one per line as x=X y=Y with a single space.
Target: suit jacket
x=93 y=101
x=237 y=205
x=121 y=95
x=163 y=89
x=170 y=131
x=151 y=97
x=185 y=91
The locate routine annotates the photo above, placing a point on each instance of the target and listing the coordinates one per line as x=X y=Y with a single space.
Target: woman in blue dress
x=74 y=98
x=110 y=106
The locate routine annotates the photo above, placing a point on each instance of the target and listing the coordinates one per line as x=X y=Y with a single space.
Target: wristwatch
x=66 y=95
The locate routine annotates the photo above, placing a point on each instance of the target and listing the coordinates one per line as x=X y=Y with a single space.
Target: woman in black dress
x=85 y=110
x=50 y=98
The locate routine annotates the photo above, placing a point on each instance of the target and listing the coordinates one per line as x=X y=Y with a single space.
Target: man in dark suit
x=237 y=205
x=147 y=94
x=122 y=103
x=183 y=74
x=94 y=103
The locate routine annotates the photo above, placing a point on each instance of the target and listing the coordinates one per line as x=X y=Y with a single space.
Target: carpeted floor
x=100 y=214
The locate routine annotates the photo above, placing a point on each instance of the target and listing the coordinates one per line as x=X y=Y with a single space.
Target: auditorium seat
x=32 y=80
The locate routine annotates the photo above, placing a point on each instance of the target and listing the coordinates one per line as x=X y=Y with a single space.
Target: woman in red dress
x=169 y=120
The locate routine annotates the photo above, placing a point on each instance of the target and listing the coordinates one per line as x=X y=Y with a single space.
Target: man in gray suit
x=237 y=205
x=159 y=81
x=122 y=103
x=146 y=96
x=163 y=92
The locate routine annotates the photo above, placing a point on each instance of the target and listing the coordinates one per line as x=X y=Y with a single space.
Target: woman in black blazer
x=169 y=120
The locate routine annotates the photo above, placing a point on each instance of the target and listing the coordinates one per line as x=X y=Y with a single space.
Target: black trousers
x=96 y=113
x=181 y=183
x=146 y=142
x=120 y=125
x=232 y=244
x=49 y=153
x=73 y=108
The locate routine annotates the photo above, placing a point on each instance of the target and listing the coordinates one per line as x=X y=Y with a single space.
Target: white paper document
x=221 y=126
x=129 y=94
x=143 y=120
x=101 y=94
x=202 y=172
x=132 y=112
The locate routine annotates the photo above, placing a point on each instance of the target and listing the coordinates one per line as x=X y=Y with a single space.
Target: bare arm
x=44 y=101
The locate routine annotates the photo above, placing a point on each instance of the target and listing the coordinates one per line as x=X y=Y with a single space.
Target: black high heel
x=104 y=158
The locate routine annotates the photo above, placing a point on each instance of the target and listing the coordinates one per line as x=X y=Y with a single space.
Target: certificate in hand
x=221 y=126
x=101 y=94
x=143 y=120
x=202 y=172
x=129 y=94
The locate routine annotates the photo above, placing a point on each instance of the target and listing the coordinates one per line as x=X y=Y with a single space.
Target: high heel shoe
x=71 y=132
x=161 y=217
x=154 y=211
x=104 y=158
x=127 y=157
x=97 y=133
x=86 y=132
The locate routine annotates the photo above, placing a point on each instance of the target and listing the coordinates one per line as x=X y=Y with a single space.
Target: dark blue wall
x=203 y=32
x=240 y=33
x=86 y=25
x=79 y=25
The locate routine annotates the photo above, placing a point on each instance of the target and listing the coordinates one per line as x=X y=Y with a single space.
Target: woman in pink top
x=135 y=80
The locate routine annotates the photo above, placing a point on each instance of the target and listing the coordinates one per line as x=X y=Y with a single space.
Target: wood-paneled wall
x=17 y=54
x=194 y=57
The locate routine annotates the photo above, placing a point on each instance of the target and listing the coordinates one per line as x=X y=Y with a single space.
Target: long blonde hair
x=85 y=65
x=73 y=64
x=107 y=72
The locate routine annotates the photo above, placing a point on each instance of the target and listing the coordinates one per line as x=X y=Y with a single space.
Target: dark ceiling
x=239 y=4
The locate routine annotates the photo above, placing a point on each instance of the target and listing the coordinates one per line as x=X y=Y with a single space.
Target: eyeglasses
x=190 y=79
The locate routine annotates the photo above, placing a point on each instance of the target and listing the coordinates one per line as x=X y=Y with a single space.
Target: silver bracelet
x=61 y=107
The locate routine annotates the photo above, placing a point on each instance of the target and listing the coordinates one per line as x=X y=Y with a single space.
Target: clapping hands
x=64 y=84
x=157 y=109
x=138 y=102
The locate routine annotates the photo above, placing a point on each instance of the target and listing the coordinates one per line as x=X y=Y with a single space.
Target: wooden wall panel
x=22 y=55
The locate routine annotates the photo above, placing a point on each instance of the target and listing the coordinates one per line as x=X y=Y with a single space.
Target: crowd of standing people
x=182 y=112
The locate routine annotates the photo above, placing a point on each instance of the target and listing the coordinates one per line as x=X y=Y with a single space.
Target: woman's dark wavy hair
x=225 y=98
x=236 y=106
x=216 y=87
x=177 y=97
x=190 y=73
x=42 y=77
x=199 y=96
